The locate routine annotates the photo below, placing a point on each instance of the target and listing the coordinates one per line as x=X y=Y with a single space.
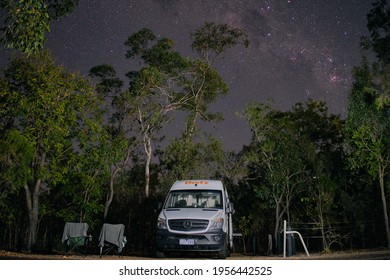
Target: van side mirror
x=230 y=208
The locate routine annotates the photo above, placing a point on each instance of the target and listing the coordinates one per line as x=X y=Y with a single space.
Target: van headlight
x=162 y=223
x=217 y=224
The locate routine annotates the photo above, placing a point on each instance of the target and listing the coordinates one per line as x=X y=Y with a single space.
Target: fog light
x=217 y=238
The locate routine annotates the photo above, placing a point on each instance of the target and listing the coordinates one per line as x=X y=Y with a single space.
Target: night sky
x=298 y=49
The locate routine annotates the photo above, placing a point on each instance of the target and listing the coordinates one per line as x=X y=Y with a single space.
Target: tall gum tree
x=116 y=143
x=168 y=82
x=152 y=91
x=202 y=85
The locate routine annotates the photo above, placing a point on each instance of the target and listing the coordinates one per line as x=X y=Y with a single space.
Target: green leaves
x=27 y=22
x=108 y=82
x=215 y=39
x=367 y=125
x=50 y=106
x=139 y=43
x=368 y=132
x=378 y=23
x=59 y=8
x=16 y=155
x=26 y=25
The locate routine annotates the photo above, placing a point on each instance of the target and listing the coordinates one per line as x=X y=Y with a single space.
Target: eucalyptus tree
x=203 y=82
x=202 y=85
x=117 y=143
x=368 y=131
x=277 y=148
x=47 y=108
x=154 y=88
x=136 y=115
x=169 y=82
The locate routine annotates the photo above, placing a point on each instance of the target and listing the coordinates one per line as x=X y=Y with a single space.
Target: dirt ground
x=379 y=254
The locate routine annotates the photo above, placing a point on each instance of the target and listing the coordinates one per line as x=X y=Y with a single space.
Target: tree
x=201 y=85
x=367 y=129
x=277 y=148
x=116 y=142
x=324 y=158
x=47 y=108
x=169 y=82
x=153 y=88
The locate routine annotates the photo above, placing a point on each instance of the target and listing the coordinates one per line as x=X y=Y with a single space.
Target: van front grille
x=188 y=224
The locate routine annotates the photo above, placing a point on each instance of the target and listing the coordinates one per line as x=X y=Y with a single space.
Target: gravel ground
x=379 y=254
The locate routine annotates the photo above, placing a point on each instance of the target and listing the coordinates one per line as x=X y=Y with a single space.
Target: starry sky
x=299 y=49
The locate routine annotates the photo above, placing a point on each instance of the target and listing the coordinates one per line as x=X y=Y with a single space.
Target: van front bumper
x=212 y=241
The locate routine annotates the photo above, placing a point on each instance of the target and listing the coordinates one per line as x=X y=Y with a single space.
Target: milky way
x=298 y=49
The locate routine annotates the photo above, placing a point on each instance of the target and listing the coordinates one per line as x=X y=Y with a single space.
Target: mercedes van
x=196 y=216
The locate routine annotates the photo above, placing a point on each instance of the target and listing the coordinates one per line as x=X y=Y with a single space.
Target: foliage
x=214 y=39
x=378 y=23
x=168 y=82
x=51 y=109
x=26 y=25
x=367 y=128
x=16 y=155
x=191 y=160
x=288 y=150
x=27 y=22
x=278 y=149
x=366 y=125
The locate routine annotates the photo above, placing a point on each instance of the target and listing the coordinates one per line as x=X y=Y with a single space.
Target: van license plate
x=187 y=242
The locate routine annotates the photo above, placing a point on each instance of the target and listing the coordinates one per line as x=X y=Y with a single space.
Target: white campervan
x=196 y=216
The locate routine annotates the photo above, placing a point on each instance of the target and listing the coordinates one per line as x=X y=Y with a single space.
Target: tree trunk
x=32 y=202
x=278 y=217
x=110 y=196
x=148 y=151
x=325 y=246
x=276 y=228
x=384 y=204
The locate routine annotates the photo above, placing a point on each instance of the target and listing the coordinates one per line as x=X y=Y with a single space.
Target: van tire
x=222 y=254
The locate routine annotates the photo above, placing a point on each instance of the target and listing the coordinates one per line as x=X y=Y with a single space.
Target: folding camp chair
x=75 y=237
x=112 y=239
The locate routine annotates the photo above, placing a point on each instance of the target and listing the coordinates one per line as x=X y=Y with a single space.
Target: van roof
x=201 y=184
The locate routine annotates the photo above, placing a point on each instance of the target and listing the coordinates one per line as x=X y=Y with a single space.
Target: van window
x=195 y=199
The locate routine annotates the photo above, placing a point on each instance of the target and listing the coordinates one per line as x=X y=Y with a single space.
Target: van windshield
x=195 y=199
